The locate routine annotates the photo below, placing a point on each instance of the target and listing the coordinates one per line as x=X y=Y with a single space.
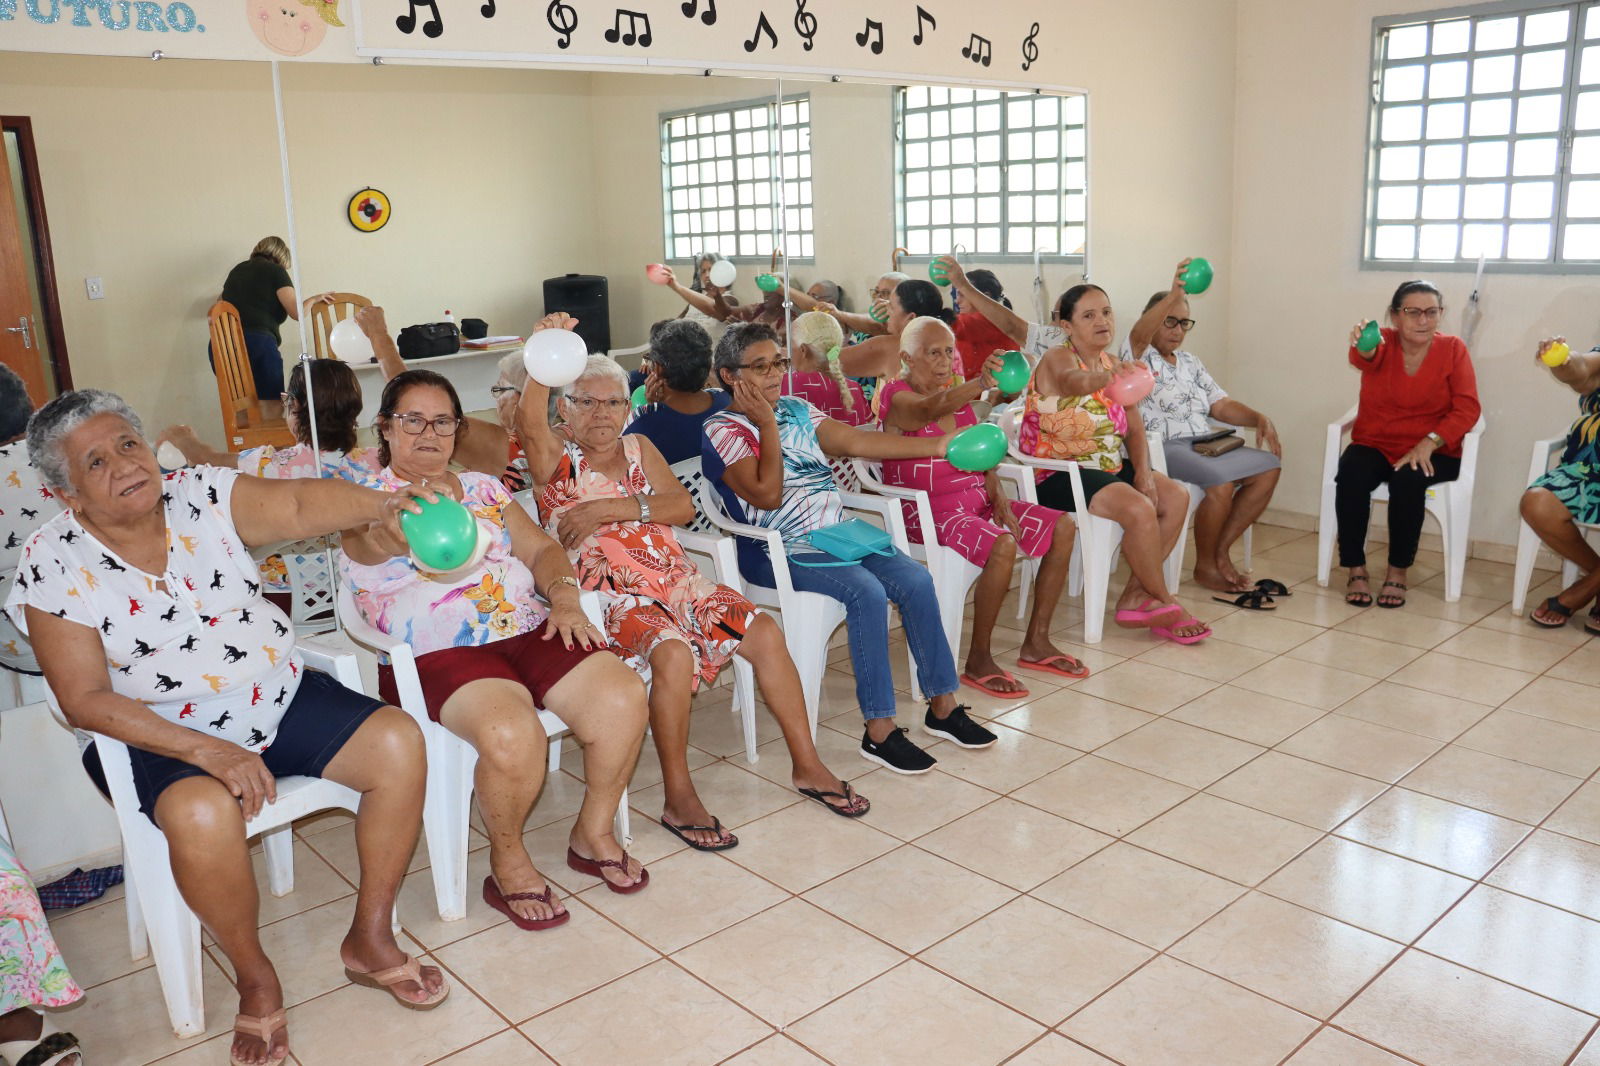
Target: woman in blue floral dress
x=1568 y=496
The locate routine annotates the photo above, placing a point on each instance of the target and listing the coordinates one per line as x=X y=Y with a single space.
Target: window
x=720 y=177
x=1485 y=137
x=996 y=173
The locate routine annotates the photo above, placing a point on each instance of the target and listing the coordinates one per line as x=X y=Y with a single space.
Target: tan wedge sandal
x=410 y=970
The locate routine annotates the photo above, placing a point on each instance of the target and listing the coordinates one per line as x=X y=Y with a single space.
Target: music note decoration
x=710 y=15
x=978 y=49
x=488 y=9
x=762 y=26
x=408 y=22
x=805 y=24
x=633 y=35
x=873 y=27
x=1030 y=48
x=563 y=18
x=923 y=16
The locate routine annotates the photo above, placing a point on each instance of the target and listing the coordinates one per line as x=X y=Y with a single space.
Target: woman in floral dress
x=32 y=975
x=1568 y=496
x=611 y=500
x=1068 y=416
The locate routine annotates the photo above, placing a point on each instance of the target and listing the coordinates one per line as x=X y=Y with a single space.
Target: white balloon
x=555 y=357
x=169 y=457
x=722 y=273
x=349 y=343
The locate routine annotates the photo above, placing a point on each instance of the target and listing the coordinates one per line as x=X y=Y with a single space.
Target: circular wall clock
x=369 y=210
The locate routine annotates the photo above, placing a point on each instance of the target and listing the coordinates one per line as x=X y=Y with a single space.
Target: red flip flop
x=596 y=868
x=502 y=903
x=982 y=685
x=1145 y=613
x=1044 y=667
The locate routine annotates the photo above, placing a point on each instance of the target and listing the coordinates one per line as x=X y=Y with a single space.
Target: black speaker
x=586 y=297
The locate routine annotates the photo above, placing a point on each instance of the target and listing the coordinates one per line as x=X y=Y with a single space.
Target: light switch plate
x=96 y=288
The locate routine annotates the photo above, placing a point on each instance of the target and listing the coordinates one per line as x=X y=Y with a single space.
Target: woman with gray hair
x=143 y=605
x=675 y=384
x=612 y=500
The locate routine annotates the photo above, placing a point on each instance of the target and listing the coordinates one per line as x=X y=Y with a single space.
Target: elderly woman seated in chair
x=496 y=640
x=679 y=403
x=612 y=501
x=143 y=605
x=973 y=515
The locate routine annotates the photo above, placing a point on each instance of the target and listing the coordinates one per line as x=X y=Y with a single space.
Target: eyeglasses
x=587 y=404
x=780 y=366
x=1418 y=313
x=498 y=391
x=286 y=400
x=414 y=424
x=1186 y=323
x=882 y=294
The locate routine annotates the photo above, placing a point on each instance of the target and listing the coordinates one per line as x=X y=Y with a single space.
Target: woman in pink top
x=816 y=378
x=971 y=511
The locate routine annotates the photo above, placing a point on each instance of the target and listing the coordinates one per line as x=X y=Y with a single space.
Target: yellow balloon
x=1557 y=354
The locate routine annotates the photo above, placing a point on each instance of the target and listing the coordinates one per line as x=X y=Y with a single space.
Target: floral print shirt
x=496 y=600
x=1086 y=429
x=1180 y=403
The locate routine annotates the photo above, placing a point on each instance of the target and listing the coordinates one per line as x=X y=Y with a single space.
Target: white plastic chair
x=1544 y=457
x=1450 y=503
x=1173 y=568
x=309 y=566
x=953 y=574
x=808 y=618
x=451 y=761
x=160 y=923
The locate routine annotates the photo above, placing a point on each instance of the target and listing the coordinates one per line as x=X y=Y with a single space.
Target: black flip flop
x=1273 y=587
x=1554 y=606
x=715 y=827
x=1381 y=595
x=848 y=795
x=1255 y=600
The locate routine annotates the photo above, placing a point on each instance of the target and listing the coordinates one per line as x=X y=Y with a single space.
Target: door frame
x=44 y=258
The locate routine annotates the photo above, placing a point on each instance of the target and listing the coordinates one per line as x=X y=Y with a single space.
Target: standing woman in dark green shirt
x=262 y=292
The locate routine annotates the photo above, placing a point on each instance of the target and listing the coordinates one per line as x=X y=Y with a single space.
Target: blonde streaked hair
x=272 y=248
x=822 y=334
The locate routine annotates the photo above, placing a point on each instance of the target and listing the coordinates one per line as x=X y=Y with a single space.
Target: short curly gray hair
x=602 y=366
x=50 y=424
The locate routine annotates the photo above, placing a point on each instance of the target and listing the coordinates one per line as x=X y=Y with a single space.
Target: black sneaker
x=897 y=753
x=957 y=728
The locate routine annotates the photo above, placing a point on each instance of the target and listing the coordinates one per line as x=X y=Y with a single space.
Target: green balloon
x=1370 y=338
x=1197 y=278
x=639 y=398
x=768 y=282
x=878 y=314
x=937 y=274
x=443 y=537
x=1013 y=376
x=977 y=449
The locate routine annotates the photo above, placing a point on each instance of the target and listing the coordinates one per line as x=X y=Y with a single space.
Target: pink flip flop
x=982 y=685
x=1145 y=613
x=1043 y=666
x=1169 y=632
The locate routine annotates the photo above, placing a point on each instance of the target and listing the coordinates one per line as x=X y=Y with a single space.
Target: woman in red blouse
x=1419 y=398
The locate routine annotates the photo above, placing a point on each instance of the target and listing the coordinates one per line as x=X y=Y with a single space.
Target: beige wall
x=1297 y=231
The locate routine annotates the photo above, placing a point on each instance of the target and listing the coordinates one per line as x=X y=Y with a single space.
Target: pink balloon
x=657 y=273
x=1128 y=389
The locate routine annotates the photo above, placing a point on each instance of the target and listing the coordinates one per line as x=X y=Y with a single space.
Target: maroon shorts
x=527 y=659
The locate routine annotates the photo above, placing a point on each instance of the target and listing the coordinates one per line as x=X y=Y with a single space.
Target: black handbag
x=429 y=339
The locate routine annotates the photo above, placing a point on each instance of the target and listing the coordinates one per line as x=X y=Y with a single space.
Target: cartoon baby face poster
x=292 y=27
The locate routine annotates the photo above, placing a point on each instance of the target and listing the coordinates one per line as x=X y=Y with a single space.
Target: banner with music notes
x=1003 y=43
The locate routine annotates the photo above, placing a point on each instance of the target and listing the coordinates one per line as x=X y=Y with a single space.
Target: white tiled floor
x=1328 y=837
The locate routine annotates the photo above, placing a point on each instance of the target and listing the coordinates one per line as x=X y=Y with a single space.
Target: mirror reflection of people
x=1569 y=494
x=25 y=505
x=703 y=298
x=1419 y=399
x=612 y=500
x=1067 y=415
x=972 y=513
x=1238 y=484
x=169 y=646
x=767 y=455
x=261 y=290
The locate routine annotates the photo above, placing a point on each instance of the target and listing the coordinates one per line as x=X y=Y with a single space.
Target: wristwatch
x=644 y=508
x=1438 y=441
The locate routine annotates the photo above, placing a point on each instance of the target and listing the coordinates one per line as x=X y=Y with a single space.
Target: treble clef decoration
x=1030 y=49
x=805 y=24
x=563 y=18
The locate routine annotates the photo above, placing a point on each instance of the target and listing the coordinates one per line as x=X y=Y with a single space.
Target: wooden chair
x=325 y=316
x=242 y=423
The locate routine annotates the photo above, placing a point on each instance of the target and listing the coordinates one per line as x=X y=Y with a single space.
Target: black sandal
x=1385 y=595
x=848 y=795
x=679 y=831
x=1256 y=599
x=1553 y=606
x=1593 y=624
x=1273 y=587
x=1357 y=599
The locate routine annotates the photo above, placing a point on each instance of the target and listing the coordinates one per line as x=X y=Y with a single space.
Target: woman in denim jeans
x=768 y=454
